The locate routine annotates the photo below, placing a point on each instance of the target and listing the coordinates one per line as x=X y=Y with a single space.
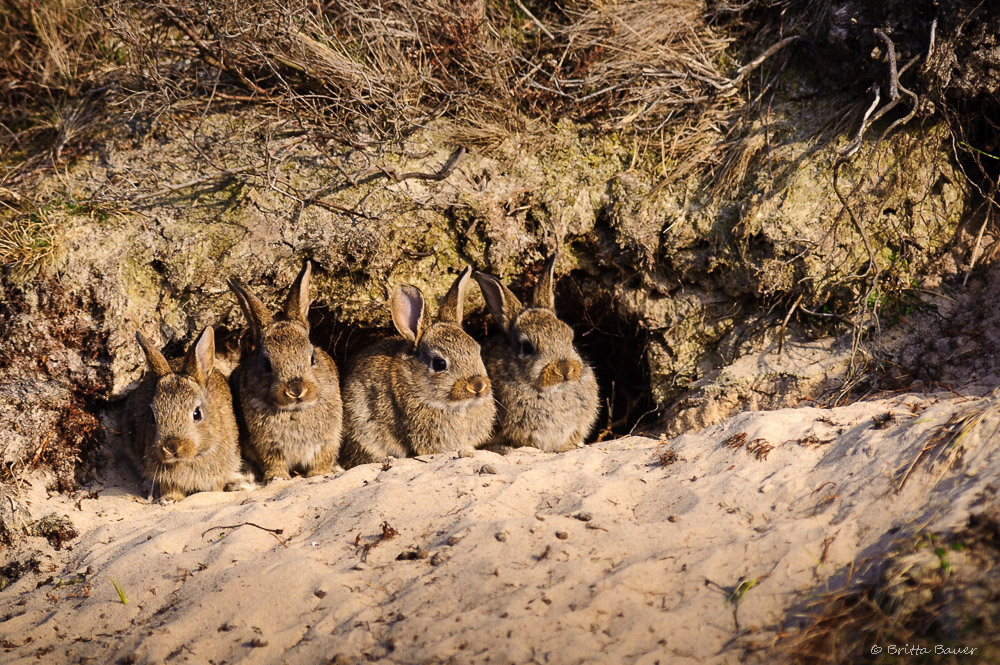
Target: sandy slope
x=507 y=568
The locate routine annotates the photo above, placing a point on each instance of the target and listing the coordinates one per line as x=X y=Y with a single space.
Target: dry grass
x=26 y=241
x=361 y=72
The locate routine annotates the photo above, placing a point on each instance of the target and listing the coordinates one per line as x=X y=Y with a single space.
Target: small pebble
x=413 y=555
x=673 y=518
x=584 y=516
x=501 y=536
x=488 y=468
x=439 y=558
x=562 y=535
x=453 y=540
x=466 y=453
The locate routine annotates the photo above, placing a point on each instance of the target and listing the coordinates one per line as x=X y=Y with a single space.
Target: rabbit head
x=444 y=365
x=280 y=358
x=540 y=345
x=180 y=402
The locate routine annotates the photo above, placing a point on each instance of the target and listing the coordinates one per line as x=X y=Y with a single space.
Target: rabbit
x=181 y=424
x=424 y=392
x=287 y=390
x=546 y=394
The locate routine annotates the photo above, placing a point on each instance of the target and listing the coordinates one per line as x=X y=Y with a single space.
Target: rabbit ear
x=297 y=303
x=200 y=357
x=157 y=362
x=453 y=305
x=257 y=315
x=543 y=295
x=408 y=311
x=503 y=304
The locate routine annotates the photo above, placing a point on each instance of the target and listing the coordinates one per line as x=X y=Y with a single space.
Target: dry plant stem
x=784 y=324
x=742 y=72
x=540 y=25
x=442 y=173
x=893 y=74
x=976 y=249
x=873 y=264
x=207 y=53
x=274 y=532
x=855 y=145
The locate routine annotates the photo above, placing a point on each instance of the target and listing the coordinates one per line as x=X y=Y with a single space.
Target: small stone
x=453 y=540
x=439 y=558
x=413 y=555
x=673 y=518
x=501 y=536
x=562 y=535
x=584 y=516
x=488 y=468
x=466 y=453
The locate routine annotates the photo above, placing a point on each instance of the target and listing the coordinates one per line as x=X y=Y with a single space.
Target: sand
x=626 y=551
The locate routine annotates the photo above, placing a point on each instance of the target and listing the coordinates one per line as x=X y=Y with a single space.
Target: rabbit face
x=448 y=368
x=181 y=420
x=542 y=348
x=285 y=360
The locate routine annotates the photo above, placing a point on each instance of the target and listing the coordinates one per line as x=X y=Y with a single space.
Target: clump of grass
x=120 y=590
x=935 y=589
x=26 y=241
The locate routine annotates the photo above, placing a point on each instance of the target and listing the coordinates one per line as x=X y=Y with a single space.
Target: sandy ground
x=602 y=555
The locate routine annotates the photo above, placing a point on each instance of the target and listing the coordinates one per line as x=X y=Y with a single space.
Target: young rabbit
x=425 y=392
x=287 y=390
x=547 y=394
x=180 y=422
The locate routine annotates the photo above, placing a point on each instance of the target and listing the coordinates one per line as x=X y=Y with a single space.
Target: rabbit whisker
x=499 y=404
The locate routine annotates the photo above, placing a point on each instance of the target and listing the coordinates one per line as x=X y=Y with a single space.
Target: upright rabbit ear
x=453 y=305
x=297 y=303
x=408 y=311
x=503 y=304
x=257 y=315
x=157 y=362
x=200 y=357
x=543 y=296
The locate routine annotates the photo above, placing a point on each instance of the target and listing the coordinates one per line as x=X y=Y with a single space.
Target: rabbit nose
x=295 y=389
x=479 y=385
x=176 y=447
x=569 y=370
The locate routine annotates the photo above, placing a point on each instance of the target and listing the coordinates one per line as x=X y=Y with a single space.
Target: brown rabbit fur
x=287 y=390
x=180 y=422
x=424 y=392
x=547 y=395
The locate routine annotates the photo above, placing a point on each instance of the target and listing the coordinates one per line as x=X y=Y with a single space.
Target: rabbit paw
x=170 y=497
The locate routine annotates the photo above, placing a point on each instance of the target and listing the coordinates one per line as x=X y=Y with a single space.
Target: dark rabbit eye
x=527 y=349
x=439 y=364
x=268 y=368
x=313 y=358
x=197 y=414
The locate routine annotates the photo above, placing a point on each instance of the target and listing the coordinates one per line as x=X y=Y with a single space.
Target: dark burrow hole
x=616 y=348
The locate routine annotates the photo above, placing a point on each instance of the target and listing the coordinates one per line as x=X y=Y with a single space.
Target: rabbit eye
x=312 y=358
x=526 y=349
x=268 y=367
x=439 y=364
x=197 y=414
